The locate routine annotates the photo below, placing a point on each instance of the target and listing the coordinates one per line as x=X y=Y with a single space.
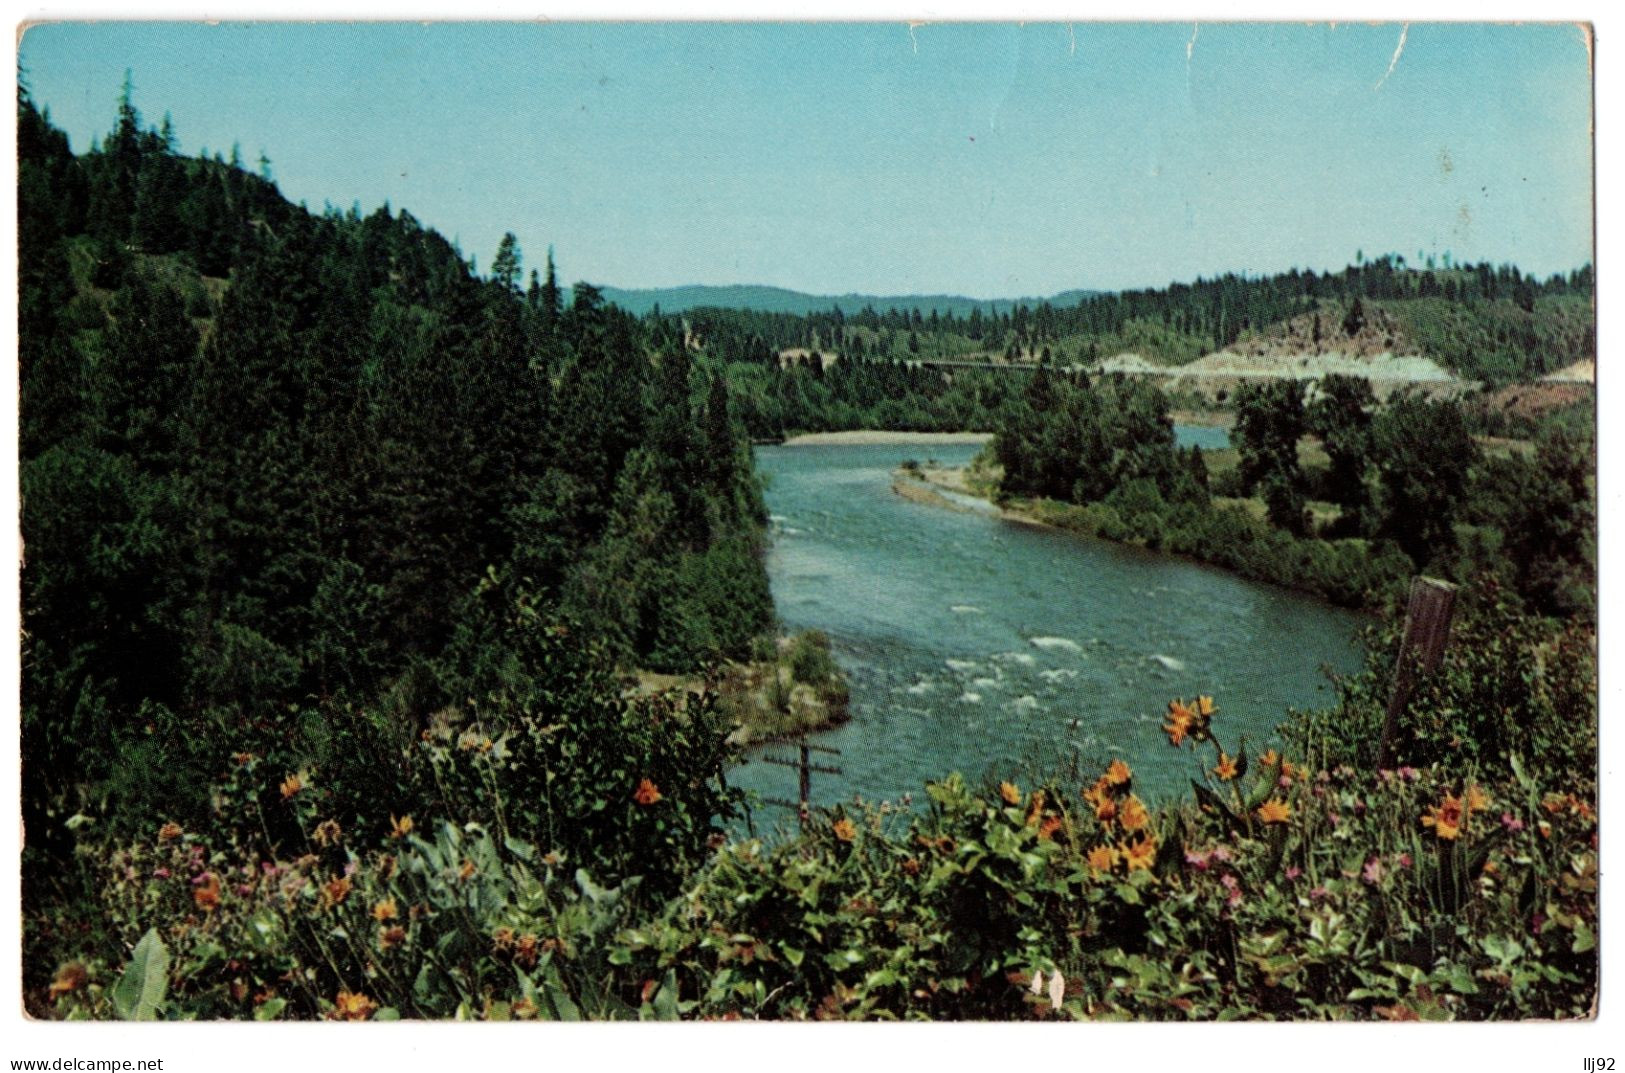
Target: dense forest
x=294 y=483
x=334 y=550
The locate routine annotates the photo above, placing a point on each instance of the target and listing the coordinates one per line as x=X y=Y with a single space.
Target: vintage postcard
x=827 y=521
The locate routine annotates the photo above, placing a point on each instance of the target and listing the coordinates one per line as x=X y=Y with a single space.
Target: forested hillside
x=293 y=484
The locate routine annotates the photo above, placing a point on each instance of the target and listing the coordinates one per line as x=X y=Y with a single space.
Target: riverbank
x=797 y=691
x=1233 y=537
x=882 y=437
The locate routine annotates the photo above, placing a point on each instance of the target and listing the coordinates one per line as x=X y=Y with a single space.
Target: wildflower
x=1057 y=991
x=1100 y=791
x=334 y=891
x=1180 y=721
x=206 y=892
x=1010 y=792
x=1511 y=822
x=1373 y=872
x=845 y=830
x=1293 y=871
x=391 y=937
x=524 y=951
x=169 y=832
x=1047 y=829
x=1269 y=759
x=353 y=1006
x=69 y=978
x=502 y=938
x=327 y=833
x=1118 y=774
x=1036 y=808
x=1477 y=799
x=1409 y=774
x=1227 y=767
x=1232 y=886
x=1103 y=858
x=1205 y=707
x=1274 y=811
x=399 y=827
x=911 y=866
x=244 y=759
x=1133 y=815
x=1446 y=818
x=385 y=910
x=647 y=793
x=160 y=873
x=1106 y=810
x=1404 y=860
x=292 y=785
x=386 y=867
x=1198 y=859
x=1140 y=853
x=466 y=870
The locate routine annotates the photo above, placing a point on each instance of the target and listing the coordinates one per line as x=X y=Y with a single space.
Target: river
x=988 y=647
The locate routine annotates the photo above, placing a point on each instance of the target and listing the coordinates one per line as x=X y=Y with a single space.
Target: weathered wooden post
x=806 y=784
x=1421 y=647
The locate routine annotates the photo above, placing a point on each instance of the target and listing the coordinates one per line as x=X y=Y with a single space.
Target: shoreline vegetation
x=882 y=437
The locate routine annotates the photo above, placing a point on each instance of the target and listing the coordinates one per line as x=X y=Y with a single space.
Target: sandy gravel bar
x=876 y=436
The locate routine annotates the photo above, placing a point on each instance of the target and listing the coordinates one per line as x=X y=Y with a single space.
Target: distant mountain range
x=780 y=300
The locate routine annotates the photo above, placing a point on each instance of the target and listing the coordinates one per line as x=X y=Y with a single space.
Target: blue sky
x=981 y=159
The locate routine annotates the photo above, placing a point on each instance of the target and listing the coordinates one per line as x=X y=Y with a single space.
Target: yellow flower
x=327 y=832
x=1227 y=767
x=845 y=830
x=1106 y=810
x=1141 y=853
x=1477 y=799
x=1100 y=791
x=1010 y=792
x=1047 y=829
x=1446 y=818
x=1274 y=811
x=399 y=827
x=1205 y=706
x=353 y=1006
x=1118 y=774
x=1103 y=858
x=1035 y=808
x=169 y=832
x=1132 y=814
x=1269 y=759
x=292 y=785
x=647 y=793
x=391 y=937
x=385 y=910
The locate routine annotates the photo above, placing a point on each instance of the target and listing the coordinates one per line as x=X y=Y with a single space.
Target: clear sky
x=981 y=159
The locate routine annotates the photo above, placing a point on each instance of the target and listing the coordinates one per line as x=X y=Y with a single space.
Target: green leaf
x=140 y=991
x=388 y=1013
x=271 y=1009
x=1584 y=938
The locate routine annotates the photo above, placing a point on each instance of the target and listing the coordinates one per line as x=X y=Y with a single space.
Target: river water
x=988 y=647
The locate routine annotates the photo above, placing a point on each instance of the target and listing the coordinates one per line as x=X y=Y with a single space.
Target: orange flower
x=647 y=793
x=206 y=894
x=1035 y=808
x=353 y=1006
x=845 y=830
x=1269 y=759
x=1141 y=853
x=1180 y=721
x=385 y=910
x=1100 y=791
x=1010 y=792
x=292 y=785
x=524 y=951
x=169 y=832
x=1446 y=818
x=466 y=871
x=1227 y=766
x=1118 y=774
x=1132 y=815
x=401 y=827
x=244 y=759
x=1106 y=810
x=327 y=832
x=1205 y=706
x=1274 y=811
x=391 y=937
x=1047 y=829
x=1103 y=858
x=1477 y=799
x=334 y=891
x=70 y=977
x=386 y=867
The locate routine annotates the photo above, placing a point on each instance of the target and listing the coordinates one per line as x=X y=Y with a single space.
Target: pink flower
x=1319 y=892
x=1197 y=860
x=1335 y=818
x=160 y=873
x=1293 y=871
x=1373 y=872
x=1409 y=774
x=1220 y=853
x=1511 y=822
x=1404 y=860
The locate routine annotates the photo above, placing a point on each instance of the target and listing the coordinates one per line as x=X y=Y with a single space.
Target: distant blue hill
x=779 y=300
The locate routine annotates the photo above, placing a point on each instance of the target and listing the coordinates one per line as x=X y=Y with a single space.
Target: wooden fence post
x=1427 y=630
